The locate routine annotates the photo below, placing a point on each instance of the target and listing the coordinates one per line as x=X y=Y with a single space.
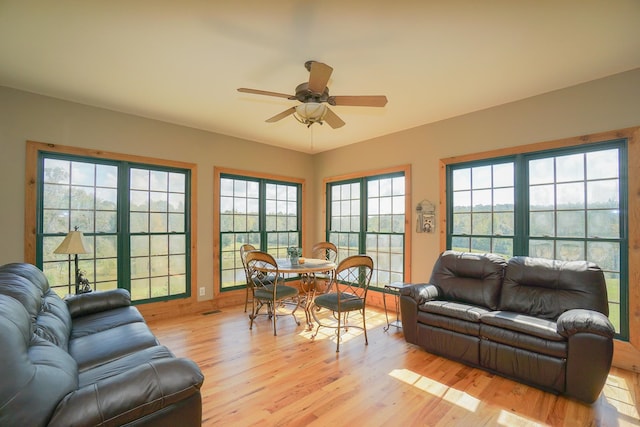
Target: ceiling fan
x=314 y=95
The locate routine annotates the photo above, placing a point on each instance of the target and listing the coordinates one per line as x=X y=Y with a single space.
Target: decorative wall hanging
x=425 y=217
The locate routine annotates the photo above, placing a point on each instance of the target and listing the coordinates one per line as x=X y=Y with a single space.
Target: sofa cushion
x=123 y=364
x=546 y=288
x=101 y=347
x=470 y=313
x=542 y=328
x=469 y=277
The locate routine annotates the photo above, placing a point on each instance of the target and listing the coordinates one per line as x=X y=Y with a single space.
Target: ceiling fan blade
x=359 y=101
x=333 y=120
x=319 y=76
x=280 y=116
x=265 y=92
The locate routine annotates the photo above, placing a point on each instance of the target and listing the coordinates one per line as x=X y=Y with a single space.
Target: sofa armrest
x=590 y=352
x=132 y=395
x=421 y=292
x=410 y=298
x=574 y=321
x=95 y=302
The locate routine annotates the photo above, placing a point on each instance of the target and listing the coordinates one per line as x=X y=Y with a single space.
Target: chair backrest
x=262 y=269
x=353 y=275
x=325 y=250
x=243 y=256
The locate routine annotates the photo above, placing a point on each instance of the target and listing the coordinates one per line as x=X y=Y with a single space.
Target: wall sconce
x=73 y=244
x=425 y=217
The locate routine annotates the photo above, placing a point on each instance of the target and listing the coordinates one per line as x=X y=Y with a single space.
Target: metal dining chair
x=328 y=251
x=249 y=289
x=352 y=278
x=268 y=288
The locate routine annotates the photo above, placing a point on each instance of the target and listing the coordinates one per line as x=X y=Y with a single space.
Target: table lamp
x=73 y=245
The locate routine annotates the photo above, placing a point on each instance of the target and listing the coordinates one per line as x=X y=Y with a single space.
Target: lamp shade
x=311 y=112
x=72 y=244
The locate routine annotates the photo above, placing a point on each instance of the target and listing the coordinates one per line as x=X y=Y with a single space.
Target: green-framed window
x=567 y=204
x=265 y=213
x=366 y=215
x=135 y=221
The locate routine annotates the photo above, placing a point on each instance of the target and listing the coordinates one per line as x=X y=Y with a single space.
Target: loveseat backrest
x=469 y=277
x=547 y=288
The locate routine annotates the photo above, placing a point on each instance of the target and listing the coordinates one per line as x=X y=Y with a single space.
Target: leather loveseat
x=88 y=360
x=538 y=321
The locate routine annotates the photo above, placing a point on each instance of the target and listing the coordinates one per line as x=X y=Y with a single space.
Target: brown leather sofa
x=89 y=360
x=538 y=321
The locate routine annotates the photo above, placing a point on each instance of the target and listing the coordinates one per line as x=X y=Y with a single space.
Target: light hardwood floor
x=254 y=378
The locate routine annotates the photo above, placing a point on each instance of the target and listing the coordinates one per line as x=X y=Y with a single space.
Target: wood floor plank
x=253 y=378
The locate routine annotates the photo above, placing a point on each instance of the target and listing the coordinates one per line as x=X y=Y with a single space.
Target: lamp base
x=82 y=284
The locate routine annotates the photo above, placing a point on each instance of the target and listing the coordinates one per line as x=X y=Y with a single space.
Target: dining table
x=307 y=269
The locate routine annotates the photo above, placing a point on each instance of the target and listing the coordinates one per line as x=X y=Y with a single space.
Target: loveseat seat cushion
x=468 y=277
x=546 y=288
x=526 y=332
x=101 y=347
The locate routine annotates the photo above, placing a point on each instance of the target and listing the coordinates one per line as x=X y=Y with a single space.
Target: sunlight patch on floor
x=509 y=419
x=435 y=388
x=374 y=319
x=616 y=390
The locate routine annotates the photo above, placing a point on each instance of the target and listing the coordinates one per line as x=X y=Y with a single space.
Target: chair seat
x=348 y=302
x=282 y=291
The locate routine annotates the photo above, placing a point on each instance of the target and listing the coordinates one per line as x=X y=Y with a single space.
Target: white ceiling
x=182 y=61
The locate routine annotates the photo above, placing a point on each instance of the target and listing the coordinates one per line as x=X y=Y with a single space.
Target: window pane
x=542 y=224
x=569 y=251
x=541 y=197
x=541 y=171
x=570 y=196
x=139 y=179
x=503 y=175
x=461 y=179
x=603 y=194
x=603 y=164
x=603 y=224
x=570 y=224
x=570 y=168
x=481 y=177
x=83 y=174
x=462 y=223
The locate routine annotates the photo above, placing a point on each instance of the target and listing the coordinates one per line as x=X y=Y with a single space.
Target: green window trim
x=266 y=212
x=102 y=207
x=362 y=218
x=569 y=206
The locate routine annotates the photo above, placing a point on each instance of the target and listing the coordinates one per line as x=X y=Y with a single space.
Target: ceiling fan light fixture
x=310 y=113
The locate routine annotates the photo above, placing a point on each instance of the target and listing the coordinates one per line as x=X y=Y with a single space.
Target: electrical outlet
x=202 y=291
